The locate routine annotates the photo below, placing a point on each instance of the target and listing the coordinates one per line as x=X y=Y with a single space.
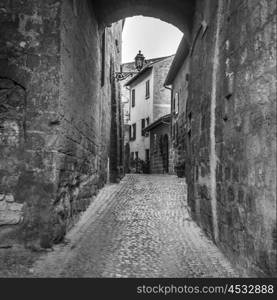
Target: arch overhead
x=176 y=12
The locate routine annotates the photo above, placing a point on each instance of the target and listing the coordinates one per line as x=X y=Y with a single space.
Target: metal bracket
x=119 y=76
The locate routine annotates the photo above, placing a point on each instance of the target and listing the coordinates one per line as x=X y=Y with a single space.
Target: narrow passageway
x=137 y=228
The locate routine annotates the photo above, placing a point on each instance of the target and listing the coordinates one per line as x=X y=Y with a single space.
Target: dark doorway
x=127 y=158
x=165 y=154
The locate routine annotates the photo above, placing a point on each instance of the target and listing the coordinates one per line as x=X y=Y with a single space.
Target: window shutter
x=133 y=98
x=142 y=126
x=135 y=129
x=173 y=105
x=147 y=155
x=147 y=89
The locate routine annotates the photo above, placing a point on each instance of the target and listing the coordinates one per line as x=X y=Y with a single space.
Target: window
x=142 y=126
x=117 y=46
x=130 y=132
x=176 y=103
x=147 y=89
x=147 y=124
x=132 y=155
x=147 y=155
x=147 y=121
x=187 y=77
x=137 y=156
x=133 y=98
x=133 y=132
x=103 y=58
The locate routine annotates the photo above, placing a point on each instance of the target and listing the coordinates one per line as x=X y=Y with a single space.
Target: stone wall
x=29 y=61
x=231 y=111
x=59 y=138
x=157 y=163
x=59 y=106
x=12 y=134
x=179 y=121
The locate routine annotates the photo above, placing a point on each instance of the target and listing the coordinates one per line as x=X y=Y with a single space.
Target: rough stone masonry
x=59 y=103
x=231 y=156
x=56 y=103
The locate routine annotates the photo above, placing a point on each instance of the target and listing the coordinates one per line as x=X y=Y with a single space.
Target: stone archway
x=175 y=12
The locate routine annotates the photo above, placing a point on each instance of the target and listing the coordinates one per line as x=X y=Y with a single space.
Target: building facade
x=125 y=95
x=149 y=100
x=178 y=79
x=160 y=145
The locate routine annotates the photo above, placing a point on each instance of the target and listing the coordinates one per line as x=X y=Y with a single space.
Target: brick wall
x=232 y=147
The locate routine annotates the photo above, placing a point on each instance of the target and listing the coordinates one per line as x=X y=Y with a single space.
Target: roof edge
x=147 y=67
x=181 y=55
x=157 y=122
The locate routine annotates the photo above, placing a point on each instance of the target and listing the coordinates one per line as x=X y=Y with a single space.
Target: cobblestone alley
x=77 y=114
x=137 y=228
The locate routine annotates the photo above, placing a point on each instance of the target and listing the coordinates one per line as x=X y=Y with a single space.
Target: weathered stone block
x=11 y=213
x=231 y=194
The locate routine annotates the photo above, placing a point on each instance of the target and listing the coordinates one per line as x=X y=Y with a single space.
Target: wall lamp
x=139 y=64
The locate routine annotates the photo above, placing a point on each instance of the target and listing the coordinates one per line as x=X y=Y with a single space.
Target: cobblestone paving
x=137 y=228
